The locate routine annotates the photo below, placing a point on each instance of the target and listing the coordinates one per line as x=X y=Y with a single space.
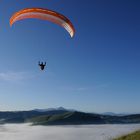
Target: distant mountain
x=79 y=118
x=62 y=116
x=23 y=116
x=54 y=109
x=69 y=118
x=115 y=114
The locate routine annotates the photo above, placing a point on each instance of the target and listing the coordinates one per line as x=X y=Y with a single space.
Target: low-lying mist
x=83 y=132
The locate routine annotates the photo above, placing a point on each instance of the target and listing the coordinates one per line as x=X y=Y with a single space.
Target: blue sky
x=98 y=70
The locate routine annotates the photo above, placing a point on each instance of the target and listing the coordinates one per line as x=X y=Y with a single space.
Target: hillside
x=23 y=116
x=133 y=136
x=73 y=118
x=64 y=117
x=69 y=118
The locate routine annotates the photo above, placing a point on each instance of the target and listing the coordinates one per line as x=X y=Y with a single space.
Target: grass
x=132 y=136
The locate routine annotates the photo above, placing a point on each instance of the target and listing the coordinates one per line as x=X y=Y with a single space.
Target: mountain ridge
x=62 y=116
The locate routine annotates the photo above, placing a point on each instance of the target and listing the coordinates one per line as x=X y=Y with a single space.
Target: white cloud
x=86 y=88
x=13 y=76
x=83 y=132
x=75 y=88
x=82 y=88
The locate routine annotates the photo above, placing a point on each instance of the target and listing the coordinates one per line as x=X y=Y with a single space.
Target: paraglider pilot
x=42 y=65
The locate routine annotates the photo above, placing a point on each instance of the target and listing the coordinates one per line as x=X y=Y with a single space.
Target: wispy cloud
x=86 y=88
x=101 y=86
x=13 y=76
x=75 y=88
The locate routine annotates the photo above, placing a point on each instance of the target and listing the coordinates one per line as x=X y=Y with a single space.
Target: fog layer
x=84 y=132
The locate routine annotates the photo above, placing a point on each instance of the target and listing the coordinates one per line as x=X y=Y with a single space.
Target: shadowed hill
x=69 y=118
x=23 y=116
x=73 y=118
x=64 y=117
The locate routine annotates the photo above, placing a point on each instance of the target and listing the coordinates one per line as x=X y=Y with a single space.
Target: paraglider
x=44 y=14
x=42 y=65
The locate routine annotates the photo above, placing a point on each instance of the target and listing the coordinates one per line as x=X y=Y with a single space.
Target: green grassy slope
x=133 y=136
x=69 y=118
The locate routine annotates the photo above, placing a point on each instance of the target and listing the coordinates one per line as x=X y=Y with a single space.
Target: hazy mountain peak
x=53 y=109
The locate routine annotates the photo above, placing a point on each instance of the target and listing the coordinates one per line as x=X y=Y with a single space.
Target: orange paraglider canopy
x=44 y=14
